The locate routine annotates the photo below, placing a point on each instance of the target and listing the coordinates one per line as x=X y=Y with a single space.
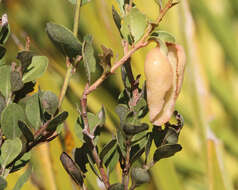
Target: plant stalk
x=70 y=67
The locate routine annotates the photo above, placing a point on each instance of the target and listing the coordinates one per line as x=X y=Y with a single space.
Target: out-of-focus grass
x=208 y=100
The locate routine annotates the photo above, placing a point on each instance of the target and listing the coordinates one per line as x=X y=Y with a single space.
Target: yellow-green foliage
x=208 y=31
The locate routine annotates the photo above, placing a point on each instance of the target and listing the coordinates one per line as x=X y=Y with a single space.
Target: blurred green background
x=208 y=30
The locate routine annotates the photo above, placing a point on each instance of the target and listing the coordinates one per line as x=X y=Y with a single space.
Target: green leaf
x=91 y=164
x=171 y=136
x=21 y=94
x=148 y=146
x=121 y=142
x=5 y=29
x=26 y=131
x=23 y=179
x=88 y=56
x=83 y=2
x=64 y=39
x=166 y=151
x=113 y=161
x=10 y=149
x=36 y=69
x=130 y=129
x=122 y=111
x=121 y=5
x=140 y=176
x=133 y=25
x=16 y=82
x=25 y=57
x=116 y=18
x=141 y=103
x=9 y=120
x=164 y=36
x=49 y=102
x=79 y=125
x=2 y=51
x=21 y=162
x=107 y=148
x=59 y=119
x=2 y=104
x=33 y=112
x=93 y=121
x=137 y=150
x=125 y=78
x=101 y=116
x=5 y=85
x=3 y=183
x=80 y=156
x=71 y=168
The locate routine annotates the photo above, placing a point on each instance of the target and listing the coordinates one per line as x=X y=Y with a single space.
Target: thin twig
x=70 y=67
x=87 y=132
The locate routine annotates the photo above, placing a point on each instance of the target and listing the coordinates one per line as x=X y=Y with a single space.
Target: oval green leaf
x=37 y=67
x=63 y=39
x=9 y=120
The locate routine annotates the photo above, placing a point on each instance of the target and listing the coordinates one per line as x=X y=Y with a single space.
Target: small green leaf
x=141 y=103
x=80 y=156
x=140 y=176
x=158 y=135
x=3 y=183
x=161 y=43
x=113 y=161
x=33 y=112
x=88 y=56
x=101 y=116
x=36 y=69
x=130 y=129
x=79 y=126
x=134 y=25
x=2 y=104
x=2 y=51
x=116 y=18
x=26 y=131
x=25 y=57
x=121 y=5
x=64 y=39
x=121 y=142
x=71 y=168
x=107 y=148
x=5 y=29
x=91 y=164
x=171 y=136
x=9 y=120
x=27 y=88
x=10 y=149
x=148 y=146
x=49 y=102
x=16 y=82
x=59 y=119
x=125 y=78
x=21 y=162
x=164 y=36
x=23 y=179
x=137 y=150
x=93 y=121
x=5 y=85
x=166 y=151
x=122 y=111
